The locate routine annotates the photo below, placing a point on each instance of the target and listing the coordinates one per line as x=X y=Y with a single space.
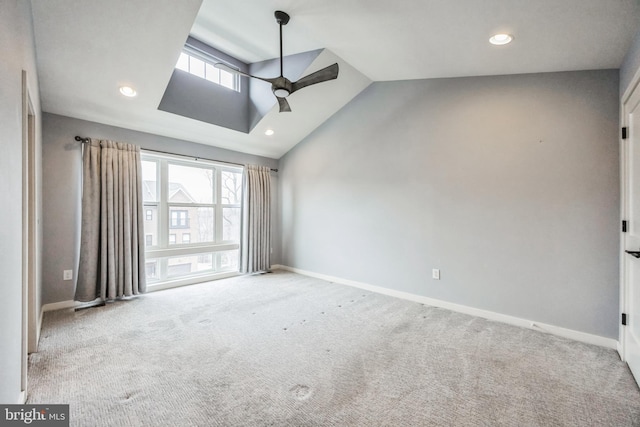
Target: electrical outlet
x=67 y=275
x=435 y=273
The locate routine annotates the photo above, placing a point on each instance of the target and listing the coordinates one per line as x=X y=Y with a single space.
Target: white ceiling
x=418 y=39
x=86 y=49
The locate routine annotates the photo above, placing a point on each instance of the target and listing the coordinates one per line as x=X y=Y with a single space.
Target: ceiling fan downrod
x=282 y=18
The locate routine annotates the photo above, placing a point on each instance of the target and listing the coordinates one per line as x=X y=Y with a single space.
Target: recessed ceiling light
x=127 y=91
x=500 y=39
x=269 y=132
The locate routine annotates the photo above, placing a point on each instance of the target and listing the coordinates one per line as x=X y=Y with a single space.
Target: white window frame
x=162 y=251
x=211 y=60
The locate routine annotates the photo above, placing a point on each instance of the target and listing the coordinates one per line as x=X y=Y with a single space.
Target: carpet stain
x=127 y=396
x=301 y=392
x=401 y=328
x=164 y=324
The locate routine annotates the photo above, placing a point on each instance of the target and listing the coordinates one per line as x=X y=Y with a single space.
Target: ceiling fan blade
x=225 y=67
x=284 y=104
x=327 y=73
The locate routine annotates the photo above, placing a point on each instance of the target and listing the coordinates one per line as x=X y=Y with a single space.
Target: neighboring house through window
x=195 y=209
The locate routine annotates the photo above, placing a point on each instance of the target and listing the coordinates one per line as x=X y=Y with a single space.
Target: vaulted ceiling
x=87 y=49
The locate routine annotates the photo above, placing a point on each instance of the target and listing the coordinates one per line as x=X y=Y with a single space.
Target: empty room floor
x=284 y=349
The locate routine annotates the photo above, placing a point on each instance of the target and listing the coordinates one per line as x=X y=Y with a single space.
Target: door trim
x=30 y=322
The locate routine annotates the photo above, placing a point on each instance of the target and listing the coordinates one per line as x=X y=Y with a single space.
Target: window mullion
x=164 y=205
x=163 y=218
x=218 y=205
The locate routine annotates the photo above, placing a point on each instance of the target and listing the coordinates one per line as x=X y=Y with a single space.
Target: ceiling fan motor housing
x=281 y=87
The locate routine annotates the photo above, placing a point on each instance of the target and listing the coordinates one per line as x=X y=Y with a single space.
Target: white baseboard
x=61 y=305
x=490 y=315
x=619 y=347
x=40 y=320
x=39 y=330
x=22 y=399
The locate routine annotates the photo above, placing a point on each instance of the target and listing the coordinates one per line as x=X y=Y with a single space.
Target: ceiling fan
x=282 y=86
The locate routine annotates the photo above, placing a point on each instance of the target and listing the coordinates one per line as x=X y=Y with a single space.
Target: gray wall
x=199 y=99
x=196 y=98
x=508 y=184
x=17 y=53
x=62 y=174
x=630 y=65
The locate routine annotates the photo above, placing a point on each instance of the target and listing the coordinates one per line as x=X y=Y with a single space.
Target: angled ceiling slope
x=246 y=132
x=418 y=39
x=193 y=97
x=87 y=49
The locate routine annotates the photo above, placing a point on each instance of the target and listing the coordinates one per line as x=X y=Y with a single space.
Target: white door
x=630 y=262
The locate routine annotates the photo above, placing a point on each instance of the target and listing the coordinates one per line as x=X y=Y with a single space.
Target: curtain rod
x=84 y=140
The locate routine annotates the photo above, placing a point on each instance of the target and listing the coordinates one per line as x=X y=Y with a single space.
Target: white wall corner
x=490 y=315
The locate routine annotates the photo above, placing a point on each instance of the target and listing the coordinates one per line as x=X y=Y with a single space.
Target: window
x=201 y=65
x=195 y=208
x=179 y=219
x=149 y=215
x=148 y=240
x=151 y=268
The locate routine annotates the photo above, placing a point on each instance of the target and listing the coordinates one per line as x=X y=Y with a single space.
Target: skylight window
x=201 y=67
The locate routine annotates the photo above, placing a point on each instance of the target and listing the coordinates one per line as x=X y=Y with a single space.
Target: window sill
x=168 y=284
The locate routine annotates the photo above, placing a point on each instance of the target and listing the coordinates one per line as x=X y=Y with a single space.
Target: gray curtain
x=112 y=240
x=256 y=224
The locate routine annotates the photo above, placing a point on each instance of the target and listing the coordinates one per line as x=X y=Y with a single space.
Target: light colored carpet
x=287 y=350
